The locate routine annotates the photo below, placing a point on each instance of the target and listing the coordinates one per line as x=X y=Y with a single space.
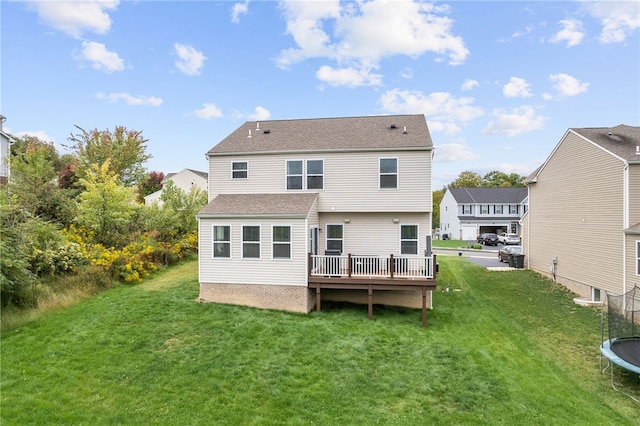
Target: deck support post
x=370 y=292
x=424 y=307
x=318 y=298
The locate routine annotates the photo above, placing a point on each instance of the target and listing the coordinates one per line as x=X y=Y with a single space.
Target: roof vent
x=257 y=125
x=637 y=149
x=393 y=126
x=267 y=131
x=249 y=133
x=404 y=132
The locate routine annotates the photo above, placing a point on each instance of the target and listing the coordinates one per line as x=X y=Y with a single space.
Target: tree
x=106 y=206
x=467 y=179
x=151 y=184
x=496 y=179
x=436 y=199
x=125 y=150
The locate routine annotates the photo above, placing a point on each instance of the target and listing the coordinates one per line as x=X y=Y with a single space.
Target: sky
x=498 y=82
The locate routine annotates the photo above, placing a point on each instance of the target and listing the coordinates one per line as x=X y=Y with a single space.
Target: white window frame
x=484 y=208
x=259 y=242
x=497 y=209
x=396 y=174
x=417 y=239
x=327 y=238
x=214 y=241
x=245 y=170
x=513 y=209
x=308 y=175
x=281 y=243
x=304 y=176
x=466 y=209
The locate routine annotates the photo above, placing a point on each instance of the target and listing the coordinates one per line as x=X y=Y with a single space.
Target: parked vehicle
x=490 y=239
x=480 y=239
x=506 y=251
x=506 y=238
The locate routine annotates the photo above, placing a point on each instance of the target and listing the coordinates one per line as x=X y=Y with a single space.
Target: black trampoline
x=622 y=348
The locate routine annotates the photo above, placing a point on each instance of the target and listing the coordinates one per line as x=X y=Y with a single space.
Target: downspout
x=625 y=225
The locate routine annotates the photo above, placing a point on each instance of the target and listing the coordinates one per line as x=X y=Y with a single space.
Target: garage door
x=468 y=232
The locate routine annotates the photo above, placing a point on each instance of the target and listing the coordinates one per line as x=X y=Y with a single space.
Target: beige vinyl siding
x=254 y=271
x=374 y=234
x=350 y=179
x=634 y=194
x=576 y=215
x=632 y=276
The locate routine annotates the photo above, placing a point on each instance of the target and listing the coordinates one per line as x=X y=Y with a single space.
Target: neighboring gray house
x=583 y=225
x=308 y=210
x=466 y=213
x=185 y=180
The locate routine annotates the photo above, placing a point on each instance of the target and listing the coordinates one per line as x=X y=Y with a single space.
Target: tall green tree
x=151 y=184
x=436 y=199
x=497 y=179
x=467 y=179
x=125 y=149
x=106 y=206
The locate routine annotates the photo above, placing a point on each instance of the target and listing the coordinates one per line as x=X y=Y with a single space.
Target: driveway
x=487 y=257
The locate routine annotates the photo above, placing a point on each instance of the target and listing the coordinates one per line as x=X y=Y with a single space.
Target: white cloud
x=516 y=88
x=514 y=122
x=453 y=152
x=444 y=112
x=100 y=58
x=363 y=33
x=129 y=99
x=348 y=77
x=469 y=84
x=40 y=134
x=208 y=111
x=528 y=29
x=567 y=85
x=407 y=73
x=572 y=33
x=239 y=9
x=261 y=113
x=190 y=60
x=619 y=19
x=76 y=17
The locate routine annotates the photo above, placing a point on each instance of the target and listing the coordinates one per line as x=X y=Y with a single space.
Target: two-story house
x=308 y=210
x=466 y=213
x=583 y=225
x=186 y=180
x=5 y=151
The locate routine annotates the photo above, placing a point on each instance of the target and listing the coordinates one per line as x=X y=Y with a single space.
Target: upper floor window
x=514 y=209
x=281 y=242
x=637 y=257
x=314 y=174
x=239 y=170
x=484 y=209
x=409 y=239
x=466 y=209
x=251 y=242
x=388 y=173
x=497 y=209
x=221 y=241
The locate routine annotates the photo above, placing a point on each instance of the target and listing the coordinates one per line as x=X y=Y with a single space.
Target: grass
x=453 y=244
x=499 y=348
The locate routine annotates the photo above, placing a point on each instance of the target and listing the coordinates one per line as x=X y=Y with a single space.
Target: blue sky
x=499 y=82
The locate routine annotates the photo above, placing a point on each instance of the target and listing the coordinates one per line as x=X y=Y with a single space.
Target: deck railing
x=351 y=265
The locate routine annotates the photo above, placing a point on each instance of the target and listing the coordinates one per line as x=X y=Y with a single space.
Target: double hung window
x=637 y=257
x=409 y=239
x=303 y=174
x=239 y=170
x=513 y=209
x=335 y=238
x=251 y=242
x=281 y=242
x=497 y=209
x=222 y=241
x=388 y=173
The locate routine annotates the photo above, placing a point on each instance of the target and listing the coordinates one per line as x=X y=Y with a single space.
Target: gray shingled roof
x=489 y=195
x=328 y=134
x=260 y=204
x=620 y=140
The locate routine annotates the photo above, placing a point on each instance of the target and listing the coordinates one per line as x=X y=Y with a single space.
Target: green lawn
x=500 y=348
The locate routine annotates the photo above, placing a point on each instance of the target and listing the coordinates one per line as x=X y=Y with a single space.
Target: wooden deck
x=372 y=273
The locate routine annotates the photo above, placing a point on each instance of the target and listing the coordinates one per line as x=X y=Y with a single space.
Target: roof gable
x=328 y=134
x=621 y=141
x=489 y=195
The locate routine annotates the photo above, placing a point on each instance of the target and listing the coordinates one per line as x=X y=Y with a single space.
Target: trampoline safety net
x=623 y=314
